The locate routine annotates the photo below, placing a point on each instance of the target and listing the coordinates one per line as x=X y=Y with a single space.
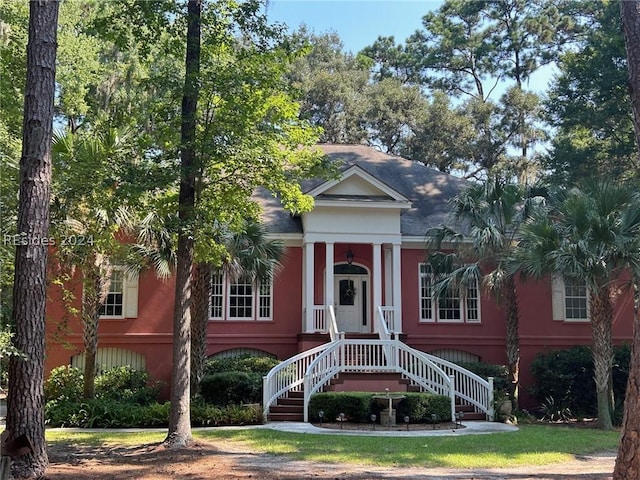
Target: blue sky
x=360 y=22
x=357 y=22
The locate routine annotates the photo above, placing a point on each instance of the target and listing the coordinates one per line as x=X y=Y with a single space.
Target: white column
x=397 y=288
x=328 y=277
x=388 y=276
x=308 y=284
x=377 y=277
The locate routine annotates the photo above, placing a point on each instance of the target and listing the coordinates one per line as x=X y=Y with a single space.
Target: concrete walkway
x=469 y=428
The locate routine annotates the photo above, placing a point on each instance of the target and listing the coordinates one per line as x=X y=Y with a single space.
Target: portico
x=350 y=262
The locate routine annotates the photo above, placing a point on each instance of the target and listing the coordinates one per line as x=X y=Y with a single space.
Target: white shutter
x=557 y=298
x=131 y=296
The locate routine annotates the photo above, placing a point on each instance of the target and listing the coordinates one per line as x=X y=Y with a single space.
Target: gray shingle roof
x=427 y=189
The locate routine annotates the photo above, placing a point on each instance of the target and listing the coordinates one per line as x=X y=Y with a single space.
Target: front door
x=350 y=303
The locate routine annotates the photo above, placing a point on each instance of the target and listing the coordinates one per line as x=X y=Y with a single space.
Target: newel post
x=491 y=409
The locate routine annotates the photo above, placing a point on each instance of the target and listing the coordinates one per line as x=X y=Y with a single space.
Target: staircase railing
x=370 y=356
x=380 y=325
x=471 y=389
x=388 y=313
x=287 y=376
x=318 y=315
x=313 y=369
x=334 y=334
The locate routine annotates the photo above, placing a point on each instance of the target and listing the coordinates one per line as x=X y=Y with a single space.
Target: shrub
x=355 y=405
x=64 y=384
x=119 y=383
x=127 y=384
x=566 y=376
x=358 y=406
x=108 y=413
x=231 y=388
x=420 y=406
x=210 y=415
x=242 y=363
x=500 y=373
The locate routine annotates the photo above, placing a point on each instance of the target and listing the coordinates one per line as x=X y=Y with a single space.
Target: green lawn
x=531 y=445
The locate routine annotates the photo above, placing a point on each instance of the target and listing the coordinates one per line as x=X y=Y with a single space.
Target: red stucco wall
x=150 y=333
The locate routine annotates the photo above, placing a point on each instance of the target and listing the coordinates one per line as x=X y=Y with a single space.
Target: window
x=450 y=307
x=264 y=302
x=575 y=300
x=122 y=299
x=217 y=296
x=114 y=304
x=239 y=300
x=570 y=300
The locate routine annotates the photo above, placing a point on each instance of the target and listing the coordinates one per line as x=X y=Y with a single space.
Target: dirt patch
x=223 y=460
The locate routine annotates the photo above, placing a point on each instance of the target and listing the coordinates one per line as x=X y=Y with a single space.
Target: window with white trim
x=569 y=300
x=576 y=301
x=240 y=299
x=216 y=300
x=122 y=299
x=450 y=307
x=113 y=306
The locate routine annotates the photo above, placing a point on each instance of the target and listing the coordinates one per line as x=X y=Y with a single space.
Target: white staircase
x=312 y=371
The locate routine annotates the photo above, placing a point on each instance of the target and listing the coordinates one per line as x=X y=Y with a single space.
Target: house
x=354 y=273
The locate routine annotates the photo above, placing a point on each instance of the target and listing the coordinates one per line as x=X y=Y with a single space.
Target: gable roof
x=425 y=191
x=356 y=183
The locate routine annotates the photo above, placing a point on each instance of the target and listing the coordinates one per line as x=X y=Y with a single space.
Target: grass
x=531 y=445
x=94 y=438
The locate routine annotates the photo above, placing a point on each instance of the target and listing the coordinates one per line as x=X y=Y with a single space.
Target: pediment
x=357 y=183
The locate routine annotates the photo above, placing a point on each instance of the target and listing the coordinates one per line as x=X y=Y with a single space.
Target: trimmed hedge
x=355 y=405
x=242 y=363
x=235 y=380
x=358 y=406
x=420 y=407
x=227 y=388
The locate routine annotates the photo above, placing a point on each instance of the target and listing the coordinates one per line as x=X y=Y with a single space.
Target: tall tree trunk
x=510 y=298
x=630 y=15
x=602 y=351
x=179 y=418
x=199 y=319
x=628 y=459
x=95 y=289
x=25 y=401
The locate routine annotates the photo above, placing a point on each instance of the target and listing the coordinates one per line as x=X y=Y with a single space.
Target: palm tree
x=491 y=215
x=590 y=235
x=89 y=217
x=249 y=254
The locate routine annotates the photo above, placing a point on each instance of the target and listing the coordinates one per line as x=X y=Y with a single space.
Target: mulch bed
x=378 y=427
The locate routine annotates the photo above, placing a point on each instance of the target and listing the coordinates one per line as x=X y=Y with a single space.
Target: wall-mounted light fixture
x=349 y=257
